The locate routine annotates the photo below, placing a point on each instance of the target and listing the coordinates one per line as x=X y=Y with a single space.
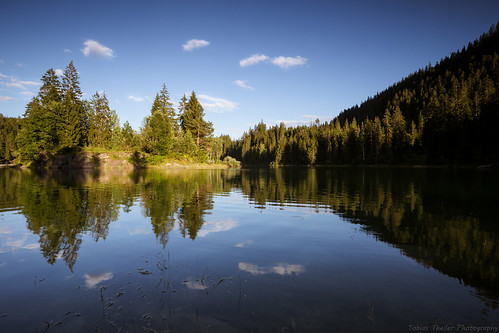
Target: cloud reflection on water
x=194 y=285
x=243 y=244
x=280 y=268
x=92 y=280
x=217 y=226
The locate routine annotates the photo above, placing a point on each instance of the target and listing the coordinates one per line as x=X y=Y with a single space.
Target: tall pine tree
x=42 y=125
x=161 y=126
x=74 y=112
x=102 y=121
x=192 y=120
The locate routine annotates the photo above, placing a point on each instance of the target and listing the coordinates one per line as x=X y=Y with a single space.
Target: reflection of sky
x=280 y=268
x=13 y=234
x=139 y=230
x=92 y=280
x=243 y=244
x=194 y=285
x=11 y=241
x=217 y=226
x=5 y=229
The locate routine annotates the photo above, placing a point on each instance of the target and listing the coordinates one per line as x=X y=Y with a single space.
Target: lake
x=252 y=250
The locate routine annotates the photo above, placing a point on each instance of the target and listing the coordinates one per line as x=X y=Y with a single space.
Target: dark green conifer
x=74 y=112
x=192 y=120
x=102 y=121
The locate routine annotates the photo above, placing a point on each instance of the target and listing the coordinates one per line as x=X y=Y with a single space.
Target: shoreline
x=83 y=160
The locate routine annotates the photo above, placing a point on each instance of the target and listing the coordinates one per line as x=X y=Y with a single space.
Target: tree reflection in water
x=445 y=219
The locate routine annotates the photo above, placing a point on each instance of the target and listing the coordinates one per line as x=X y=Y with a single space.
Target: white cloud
x=14 y=83
x=253 y=60
x=27 y=93
x=32 y=246
x=29 y=83
x=195 y=285
x=17 y=243
x=280 y=268
x=137 y=99
x=195 y=44
x=92 y=280
x=67 y=51
x=285 y=62
x=5 y=99
x=308 y=119
x=5 y=230
x=218 y=105
x=252 y=268
x=3 y=75
x=59 y=72
x=242 y=84
x=9 y=244
x=94 y=48
x=216 y=226
x=243 y=244
x=281 y=61
x=287 y=269
x=139 y=230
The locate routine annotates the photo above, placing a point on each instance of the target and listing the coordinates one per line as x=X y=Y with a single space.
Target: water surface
x=284 y=250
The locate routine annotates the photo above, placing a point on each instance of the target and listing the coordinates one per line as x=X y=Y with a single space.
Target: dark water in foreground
x=287 y=250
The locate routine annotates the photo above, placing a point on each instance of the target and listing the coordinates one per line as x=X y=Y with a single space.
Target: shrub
x=232 y=162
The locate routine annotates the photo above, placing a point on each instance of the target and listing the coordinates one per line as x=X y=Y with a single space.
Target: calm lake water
x=286 y=250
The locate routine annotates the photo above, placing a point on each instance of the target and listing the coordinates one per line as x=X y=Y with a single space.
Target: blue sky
x=247 y=61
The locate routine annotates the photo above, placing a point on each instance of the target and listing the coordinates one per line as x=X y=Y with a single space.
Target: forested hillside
x=442 y=114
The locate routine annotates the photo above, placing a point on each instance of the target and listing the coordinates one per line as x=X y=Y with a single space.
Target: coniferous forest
x=442 y=114
x=58 y=119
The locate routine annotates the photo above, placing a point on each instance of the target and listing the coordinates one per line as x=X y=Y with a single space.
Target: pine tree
x=159 y=130
x=74 y=112
x=128 y=136
x=281 y=143
x=399 y=133
x=51 y=88
x=192 y=120
x=102 y=121
x=163 y=103
x=388 y=133
x=42 y=124
x=9 y=128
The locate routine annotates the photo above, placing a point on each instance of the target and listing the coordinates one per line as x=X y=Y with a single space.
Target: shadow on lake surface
x=247 y=230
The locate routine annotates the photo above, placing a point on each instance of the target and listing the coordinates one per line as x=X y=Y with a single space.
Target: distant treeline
x=58 y=119
x=443 y=114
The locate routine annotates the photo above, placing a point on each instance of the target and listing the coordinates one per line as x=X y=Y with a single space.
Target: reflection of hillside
x=442 y=219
